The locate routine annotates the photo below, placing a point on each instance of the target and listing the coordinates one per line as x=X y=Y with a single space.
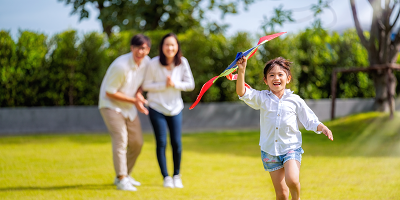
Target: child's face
x=277 y=79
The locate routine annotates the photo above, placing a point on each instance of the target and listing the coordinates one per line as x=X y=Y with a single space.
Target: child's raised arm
x=240 y=88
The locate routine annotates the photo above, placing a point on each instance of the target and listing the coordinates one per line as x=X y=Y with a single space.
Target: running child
x=280 y=138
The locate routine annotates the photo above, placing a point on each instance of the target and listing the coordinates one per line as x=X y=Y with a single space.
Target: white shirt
x=125 y=76
x=279 y=132
x=163 y=99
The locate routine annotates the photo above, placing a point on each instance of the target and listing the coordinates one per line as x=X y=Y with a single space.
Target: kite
x=233 y=67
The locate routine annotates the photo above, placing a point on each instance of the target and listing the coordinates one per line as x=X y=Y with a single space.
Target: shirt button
x=278 y=114
x=276 y=140
x=276 y=127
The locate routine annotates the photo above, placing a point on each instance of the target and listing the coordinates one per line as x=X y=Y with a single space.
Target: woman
x=167 y=75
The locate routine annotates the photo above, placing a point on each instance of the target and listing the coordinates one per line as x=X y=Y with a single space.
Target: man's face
x=139 y=52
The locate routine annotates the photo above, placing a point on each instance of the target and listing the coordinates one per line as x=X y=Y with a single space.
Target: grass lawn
x=363 y=162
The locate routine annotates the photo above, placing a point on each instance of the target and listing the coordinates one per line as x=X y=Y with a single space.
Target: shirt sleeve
x=151 y=82
x=114 y=80
x=307 y=117
x=252 y=98
x=187 y=81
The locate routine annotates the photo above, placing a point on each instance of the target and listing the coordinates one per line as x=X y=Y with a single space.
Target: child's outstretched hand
x=325 y=130
x=241 y=63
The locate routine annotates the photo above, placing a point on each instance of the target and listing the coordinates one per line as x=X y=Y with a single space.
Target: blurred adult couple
x=120 y=99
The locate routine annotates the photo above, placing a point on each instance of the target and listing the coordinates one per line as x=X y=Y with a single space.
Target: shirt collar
x=133 y=63
x=286 y=92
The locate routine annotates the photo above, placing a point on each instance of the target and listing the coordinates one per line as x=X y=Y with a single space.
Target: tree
x=63 y=72
x=143 y=15
x=382 y=48
x=382 y=43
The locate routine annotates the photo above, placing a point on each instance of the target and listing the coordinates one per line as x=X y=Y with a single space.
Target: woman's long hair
x=177 y=58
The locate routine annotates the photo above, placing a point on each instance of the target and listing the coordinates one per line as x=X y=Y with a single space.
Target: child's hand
x=241 y=63
x=325 y=130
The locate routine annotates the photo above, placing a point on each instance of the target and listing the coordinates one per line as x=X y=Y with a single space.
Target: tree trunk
x=385 y=85
x=107 y=29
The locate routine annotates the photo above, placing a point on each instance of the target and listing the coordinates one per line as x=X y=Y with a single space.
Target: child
x=280 y=138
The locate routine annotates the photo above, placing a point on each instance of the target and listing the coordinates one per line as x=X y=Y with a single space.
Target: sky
x=52 y=17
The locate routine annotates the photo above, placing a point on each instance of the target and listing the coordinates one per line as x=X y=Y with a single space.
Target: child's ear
x=265 y=80
x=289 y=78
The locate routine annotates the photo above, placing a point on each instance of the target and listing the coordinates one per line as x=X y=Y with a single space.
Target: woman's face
x=170 y=47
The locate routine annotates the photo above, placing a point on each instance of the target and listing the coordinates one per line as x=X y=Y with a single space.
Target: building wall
x=205 y=117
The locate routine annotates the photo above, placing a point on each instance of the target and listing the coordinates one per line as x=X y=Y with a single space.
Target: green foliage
x=63 y=74
x=118 y=44
x=22 y=68
x=352 y=54
x=176 y=15
x=68 y=69
x=93 y=64
x=7 y=68
x=31 y=51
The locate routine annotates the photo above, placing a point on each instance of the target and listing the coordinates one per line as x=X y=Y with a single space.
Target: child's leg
x=292 y=172
x=278 y=179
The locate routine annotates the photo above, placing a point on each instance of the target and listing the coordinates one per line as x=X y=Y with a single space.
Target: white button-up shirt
x=163 y=99
x=279 y=131
x=125 y=76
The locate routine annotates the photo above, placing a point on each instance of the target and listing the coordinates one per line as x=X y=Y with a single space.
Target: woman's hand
x=169 y=82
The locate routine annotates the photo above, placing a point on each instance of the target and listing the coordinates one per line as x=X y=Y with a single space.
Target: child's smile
x=277 y=79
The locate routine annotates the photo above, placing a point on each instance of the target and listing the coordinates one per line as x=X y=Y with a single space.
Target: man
x=120 y=99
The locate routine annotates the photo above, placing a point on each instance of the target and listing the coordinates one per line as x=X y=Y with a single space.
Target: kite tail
x=202 y=91
x=233 y=77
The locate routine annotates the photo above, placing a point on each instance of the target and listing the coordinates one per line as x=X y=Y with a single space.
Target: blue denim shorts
x=273 y=163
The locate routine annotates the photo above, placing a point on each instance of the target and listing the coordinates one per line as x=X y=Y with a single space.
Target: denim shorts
x=273 y=163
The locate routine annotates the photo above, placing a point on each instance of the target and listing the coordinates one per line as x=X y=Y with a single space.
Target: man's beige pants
x=126 y=138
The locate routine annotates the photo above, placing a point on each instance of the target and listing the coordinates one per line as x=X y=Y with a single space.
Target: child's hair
x=283 y=63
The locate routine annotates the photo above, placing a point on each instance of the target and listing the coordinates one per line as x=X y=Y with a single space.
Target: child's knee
x=292 y=182
x=282 y=195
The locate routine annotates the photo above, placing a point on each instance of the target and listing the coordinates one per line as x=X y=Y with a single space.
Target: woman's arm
x=187 y=83
x=152 y=82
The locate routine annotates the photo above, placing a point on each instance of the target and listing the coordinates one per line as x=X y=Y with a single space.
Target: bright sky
x=51 y=16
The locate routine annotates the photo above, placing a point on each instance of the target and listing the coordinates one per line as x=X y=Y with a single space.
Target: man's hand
x=140 y=103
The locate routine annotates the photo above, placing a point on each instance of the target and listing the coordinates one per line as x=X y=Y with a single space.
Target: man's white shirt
x=124 y=76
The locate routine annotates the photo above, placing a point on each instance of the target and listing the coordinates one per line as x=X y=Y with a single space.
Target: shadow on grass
x=63 y=187
x=81 y=138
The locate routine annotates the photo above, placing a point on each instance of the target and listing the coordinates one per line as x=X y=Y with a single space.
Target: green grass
x=363 y=162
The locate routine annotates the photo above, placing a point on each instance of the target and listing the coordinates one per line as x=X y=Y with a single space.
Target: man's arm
x=139 y=100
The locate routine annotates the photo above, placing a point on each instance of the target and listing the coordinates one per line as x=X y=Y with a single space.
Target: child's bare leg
x=281 y=189
x=292 y=172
